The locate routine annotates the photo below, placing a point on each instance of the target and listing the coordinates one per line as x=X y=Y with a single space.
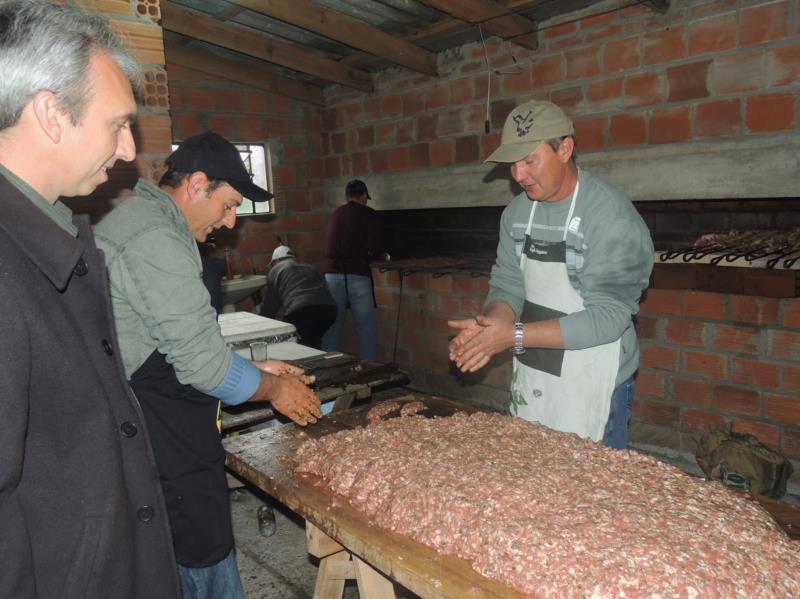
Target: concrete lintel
x=753 y=168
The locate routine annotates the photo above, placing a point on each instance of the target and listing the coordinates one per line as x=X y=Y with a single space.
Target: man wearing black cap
x=354 y=238
x=174 y=355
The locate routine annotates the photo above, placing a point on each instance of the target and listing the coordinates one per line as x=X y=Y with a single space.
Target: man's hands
x=278 y=367
x=287 y=390
x=478 y=340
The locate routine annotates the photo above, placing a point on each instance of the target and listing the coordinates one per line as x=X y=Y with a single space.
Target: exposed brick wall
x=427 y=303
x=291 y=129
x=704 y=71
x=730 y=359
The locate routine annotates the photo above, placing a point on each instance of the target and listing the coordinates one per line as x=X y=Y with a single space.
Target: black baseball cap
x=356 y=188
x=218 y=158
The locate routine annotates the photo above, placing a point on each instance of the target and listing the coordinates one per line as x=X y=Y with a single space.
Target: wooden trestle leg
x=338 y=565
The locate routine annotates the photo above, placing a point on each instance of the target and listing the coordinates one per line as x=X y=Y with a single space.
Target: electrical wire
x=487 y=125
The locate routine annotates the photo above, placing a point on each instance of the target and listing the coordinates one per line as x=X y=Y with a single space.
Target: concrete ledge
x=764 y=167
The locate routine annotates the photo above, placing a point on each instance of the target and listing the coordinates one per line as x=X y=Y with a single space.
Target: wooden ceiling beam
x=346 y=30
x=493 y=17
x=246 y=71
x=246 y=41
x=659 y=6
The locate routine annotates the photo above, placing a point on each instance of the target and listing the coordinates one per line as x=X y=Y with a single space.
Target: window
x=258 y=162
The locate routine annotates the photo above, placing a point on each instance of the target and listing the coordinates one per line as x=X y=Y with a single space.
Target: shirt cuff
x=240 y=382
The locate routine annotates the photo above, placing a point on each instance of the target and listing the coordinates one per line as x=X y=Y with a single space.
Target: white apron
x=566 y=390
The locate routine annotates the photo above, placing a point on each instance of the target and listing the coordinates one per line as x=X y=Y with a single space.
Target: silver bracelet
x=519 y=339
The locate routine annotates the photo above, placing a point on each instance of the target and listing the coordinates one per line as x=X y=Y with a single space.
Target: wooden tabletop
x=260 y=457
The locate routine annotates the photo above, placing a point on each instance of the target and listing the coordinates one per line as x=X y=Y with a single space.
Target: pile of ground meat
x=553 y=515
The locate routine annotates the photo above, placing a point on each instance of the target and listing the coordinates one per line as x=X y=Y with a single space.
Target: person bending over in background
x=301 y=292
x=175 y=356
x=81 y=510
x=354 y=238
x=573 y=260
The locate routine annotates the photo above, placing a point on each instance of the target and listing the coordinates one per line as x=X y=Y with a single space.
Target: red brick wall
x=707 y=70
x=730 y=359
x=291 y=129
x=427 y=303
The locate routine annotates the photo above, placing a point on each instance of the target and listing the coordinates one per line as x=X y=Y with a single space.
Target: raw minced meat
x=380 y=411
x=553 y=515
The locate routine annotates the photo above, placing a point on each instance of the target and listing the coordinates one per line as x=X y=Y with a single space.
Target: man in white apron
x=573 y=260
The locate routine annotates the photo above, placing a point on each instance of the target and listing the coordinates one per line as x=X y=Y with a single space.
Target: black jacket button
x=107 y=348
x=128 y=429
x=81 y=268
x=145 y=513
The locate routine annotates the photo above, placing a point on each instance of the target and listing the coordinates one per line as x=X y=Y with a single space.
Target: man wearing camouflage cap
x=573 y=260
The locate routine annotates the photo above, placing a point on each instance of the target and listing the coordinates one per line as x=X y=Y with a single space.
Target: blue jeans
x=359 y=295
x=616 y=432
x=220 y=581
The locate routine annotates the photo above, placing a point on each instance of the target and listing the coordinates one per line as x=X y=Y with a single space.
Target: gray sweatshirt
x=609 y=260
x=157 y=290
x=294 y=285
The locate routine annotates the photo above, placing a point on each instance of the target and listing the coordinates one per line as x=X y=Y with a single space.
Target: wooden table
x=349 y=547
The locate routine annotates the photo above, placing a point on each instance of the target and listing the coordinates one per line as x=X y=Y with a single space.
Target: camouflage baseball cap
x=527 y=126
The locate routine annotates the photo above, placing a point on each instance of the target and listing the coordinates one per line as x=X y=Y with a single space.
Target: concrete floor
x=277 y=566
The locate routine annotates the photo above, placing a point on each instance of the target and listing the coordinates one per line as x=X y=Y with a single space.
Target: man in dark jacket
x=300 y=290
x=81 y=510
x=354 y=238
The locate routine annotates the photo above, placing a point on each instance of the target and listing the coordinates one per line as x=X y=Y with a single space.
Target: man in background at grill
x=175 y=356
x=301 y=292
x=81 y=510
x=354 y=238
x=573 y=260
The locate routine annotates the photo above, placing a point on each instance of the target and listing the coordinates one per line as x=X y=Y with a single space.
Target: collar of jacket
x=54 y=252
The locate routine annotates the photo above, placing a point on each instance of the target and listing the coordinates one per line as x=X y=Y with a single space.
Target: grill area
x=758 y=238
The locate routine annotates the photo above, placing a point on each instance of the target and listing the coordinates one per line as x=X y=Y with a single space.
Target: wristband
x=519 y=339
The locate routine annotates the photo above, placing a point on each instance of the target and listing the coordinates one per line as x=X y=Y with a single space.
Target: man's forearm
x=500 y=310
x=545 y=333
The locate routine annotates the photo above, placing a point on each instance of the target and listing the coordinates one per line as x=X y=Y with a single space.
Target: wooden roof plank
x=493 y=17
x=346 y=30
x=247 y=72
x=234 y=37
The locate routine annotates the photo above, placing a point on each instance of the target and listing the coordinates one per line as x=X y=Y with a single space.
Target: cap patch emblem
x=524 y=123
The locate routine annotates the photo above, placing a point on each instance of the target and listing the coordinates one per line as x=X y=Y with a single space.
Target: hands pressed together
x=289 y=393
x=478 y=339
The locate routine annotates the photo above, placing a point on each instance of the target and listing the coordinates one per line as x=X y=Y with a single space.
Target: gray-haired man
x=81 y=510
